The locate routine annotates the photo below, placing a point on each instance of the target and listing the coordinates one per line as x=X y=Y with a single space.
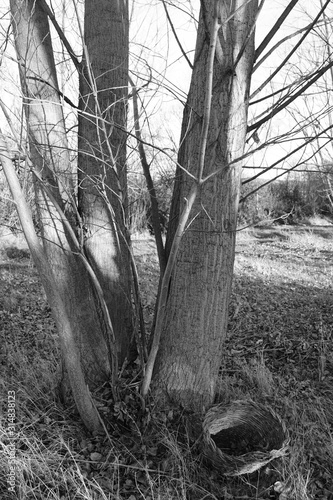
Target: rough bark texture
x=102 y=158
x=196 y=317
x=50 y=157
x=69 y=348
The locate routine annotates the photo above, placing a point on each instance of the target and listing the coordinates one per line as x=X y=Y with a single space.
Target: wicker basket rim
x=237 y=465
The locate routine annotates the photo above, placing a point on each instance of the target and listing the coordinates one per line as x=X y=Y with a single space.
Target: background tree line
x=292 y=199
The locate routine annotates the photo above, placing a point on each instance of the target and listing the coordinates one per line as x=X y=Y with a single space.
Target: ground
x=278 y=352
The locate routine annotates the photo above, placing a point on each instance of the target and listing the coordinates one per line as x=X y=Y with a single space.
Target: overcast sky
x=153 y=41
x=150 y=27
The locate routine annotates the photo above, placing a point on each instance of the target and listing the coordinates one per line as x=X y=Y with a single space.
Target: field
x=278 y=352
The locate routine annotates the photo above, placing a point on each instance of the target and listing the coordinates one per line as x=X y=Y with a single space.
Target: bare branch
x=150 y=183
x=277 y=45
x=286 y=171
x=310 y=26
x=275 y=28
x=61 y=34
x=175 y=35
x=277 y=109
x=303 y=145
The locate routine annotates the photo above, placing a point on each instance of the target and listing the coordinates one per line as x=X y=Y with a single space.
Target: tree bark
x=195 y=321
x=102 y=158
x=70 y=352
x=49 y=155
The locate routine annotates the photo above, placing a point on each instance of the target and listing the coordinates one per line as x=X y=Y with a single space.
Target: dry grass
x=279 y=352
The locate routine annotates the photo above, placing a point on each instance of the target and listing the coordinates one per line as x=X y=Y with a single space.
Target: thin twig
x=61 y=34
x=175 y=35
x=275 y=28
x=292 y=98
x=283 y=173
x=292 y=51
x=150 y=184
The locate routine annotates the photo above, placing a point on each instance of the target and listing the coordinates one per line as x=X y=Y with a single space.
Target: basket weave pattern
x=243 y=436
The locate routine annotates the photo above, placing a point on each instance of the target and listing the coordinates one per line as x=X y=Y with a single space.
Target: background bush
x=289 y=200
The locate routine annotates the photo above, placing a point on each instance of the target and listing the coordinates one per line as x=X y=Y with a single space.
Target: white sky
x=152 y=25
x=152 y=39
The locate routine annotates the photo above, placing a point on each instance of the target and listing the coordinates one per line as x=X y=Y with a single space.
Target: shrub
x=288 y=200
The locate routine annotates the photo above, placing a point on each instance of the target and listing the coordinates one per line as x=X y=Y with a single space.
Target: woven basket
x=243 y=436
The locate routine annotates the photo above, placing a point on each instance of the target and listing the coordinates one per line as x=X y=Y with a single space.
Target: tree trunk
x=68 y=346
x=195 y=322
x=50 y=157
x=102 y=158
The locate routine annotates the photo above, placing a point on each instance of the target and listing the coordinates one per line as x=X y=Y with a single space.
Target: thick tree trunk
x=102 y=158
x=68 y=346
x=196 y=315
x=50 y=157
